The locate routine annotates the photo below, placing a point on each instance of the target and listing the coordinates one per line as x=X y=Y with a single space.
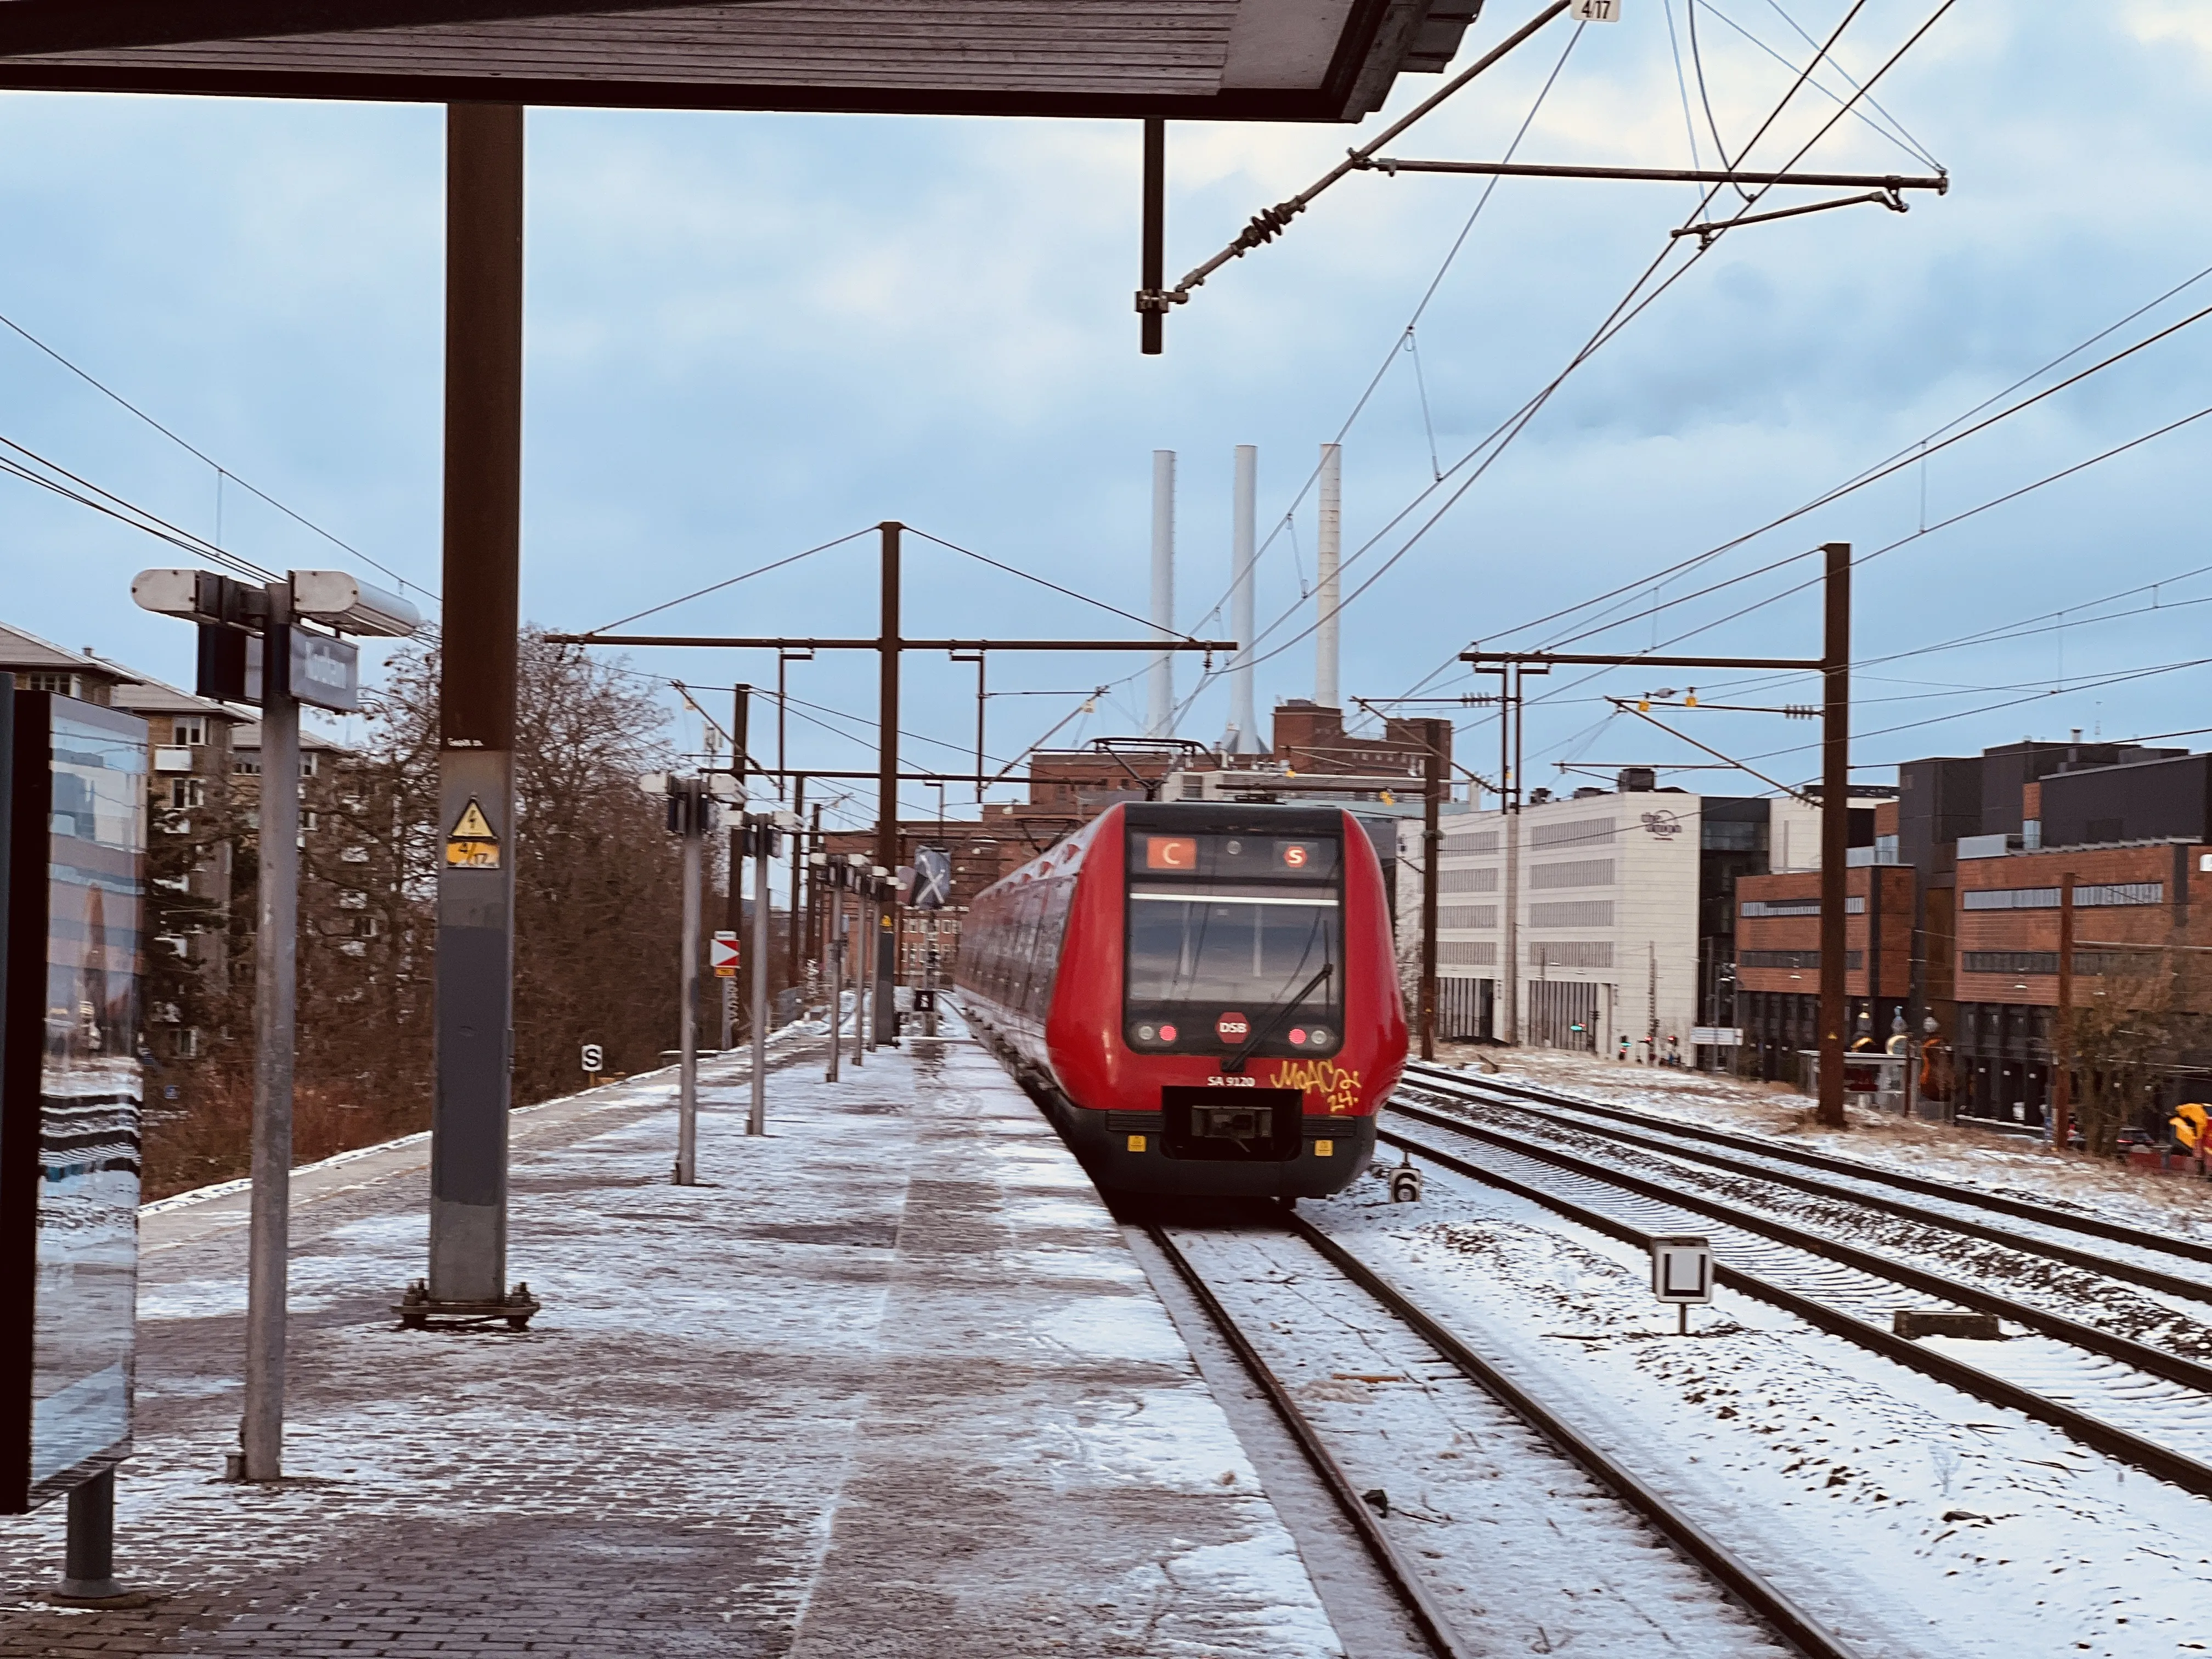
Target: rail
x=1741 y=1582
x=2135 y=1449
x=1446 y=1083
x=2024 y=1209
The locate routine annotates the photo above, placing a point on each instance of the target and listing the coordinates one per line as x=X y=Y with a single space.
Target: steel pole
x=1244 y=715
x=834 y=926
x=864 y=925
x=930 y=982
x=1835 y=826
x=982 y=702
x=883 y=949
x=481 y=627
x=1328 y=596
x=1153 y=252
x=687 y=1094
x=2062 y=1034
x=799 y=848
x=277 y=937
x=756 y=1120
x=738 y=991
x=1432 y=840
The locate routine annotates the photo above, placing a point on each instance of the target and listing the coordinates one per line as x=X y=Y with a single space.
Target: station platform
x=889 y=1382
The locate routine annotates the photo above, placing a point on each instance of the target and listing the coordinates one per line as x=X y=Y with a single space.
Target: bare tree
x=597 y=914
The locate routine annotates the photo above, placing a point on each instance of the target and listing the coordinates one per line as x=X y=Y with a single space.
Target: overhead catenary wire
x=1420 y=309
x=1030 y=577
x=1940 y=525
x=85 y=493
x=1895 y=129
x=1633 y=305
x=1888 y=466
x=731 y=582
x=221 y=471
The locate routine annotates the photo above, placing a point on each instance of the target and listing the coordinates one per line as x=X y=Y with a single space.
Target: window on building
x=1807 y=907
x=1570 y=953
x=1467 y=881
x=1576 y=831
x=1584 y=872
x=185 y=793
x=311 y=763
x=247 y=766
x=1572 y=912
x=1464 y=953
x=2086 y=895
x=185 y=1043
x=1731 y=836
x=2011 y=962
x=65 y=685
x=1800 y=960
x=189 y=729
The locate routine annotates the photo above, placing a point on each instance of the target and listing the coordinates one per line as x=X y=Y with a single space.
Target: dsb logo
x=1230 y=1027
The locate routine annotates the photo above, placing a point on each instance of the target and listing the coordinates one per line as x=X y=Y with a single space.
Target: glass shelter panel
x=83 y=1268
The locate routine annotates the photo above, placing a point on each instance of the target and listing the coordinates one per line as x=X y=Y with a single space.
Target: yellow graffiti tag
x=1334 y=1083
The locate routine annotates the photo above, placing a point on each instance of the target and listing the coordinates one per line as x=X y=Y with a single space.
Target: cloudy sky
x=751 y=334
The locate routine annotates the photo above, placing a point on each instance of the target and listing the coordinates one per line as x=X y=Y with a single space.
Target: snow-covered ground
x=886 y=1381
x=1923 y=1523
x=2180 y=1324
x=1972 y=1157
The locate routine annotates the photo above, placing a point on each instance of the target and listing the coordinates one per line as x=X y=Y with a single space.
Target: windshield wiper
x=1235 y=1063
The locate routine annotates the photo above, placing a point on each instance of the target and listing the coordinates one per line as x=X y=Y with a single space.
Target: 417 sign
x=1594 y=11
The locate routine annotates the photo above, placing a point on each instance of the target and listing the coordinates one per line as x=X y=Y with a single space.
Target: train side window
x=1044 y=947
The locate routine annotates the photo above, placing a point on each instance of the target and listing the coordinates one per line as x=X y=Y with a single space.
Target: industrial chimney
x=1159 y=711
x=1243 y=738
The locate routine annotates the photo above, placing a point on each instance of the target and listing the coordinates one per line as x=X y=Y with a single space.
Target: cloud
x=748 y=334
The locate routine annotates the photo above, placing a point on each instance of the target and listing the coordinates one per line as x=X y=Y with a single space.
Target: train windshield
x=1224 y=930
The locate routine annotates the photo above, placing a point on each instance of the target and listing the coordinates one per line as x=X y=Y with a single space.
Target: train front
x=1237 y=962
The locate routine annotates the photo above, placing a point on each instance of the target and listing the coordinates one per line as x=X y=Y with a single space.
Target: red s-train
x=1203 y=995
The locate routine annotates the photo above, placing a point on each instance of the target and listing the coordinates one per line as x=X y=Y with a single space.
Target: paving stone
x=887 y=1384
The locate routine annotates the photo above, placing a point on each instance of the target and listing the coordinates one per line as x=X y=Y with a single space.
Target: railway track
x=1771 y=1161
x=1791 y=1625
x=1656 y=1135
x=2124 y=1398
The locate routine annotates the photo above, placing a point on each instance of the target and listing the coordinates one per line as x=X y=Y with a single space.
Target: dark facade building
x=1982 y=846
x=2169 y=796
x=2132 y=900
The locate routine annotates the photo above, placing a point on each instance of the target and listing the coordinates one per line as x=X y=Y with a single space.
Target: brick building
x=1777 y=953
x=1068 y=787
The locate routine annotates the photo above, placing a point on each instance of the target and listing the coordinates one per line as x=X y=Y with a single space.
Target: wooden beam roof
x=1313 y=60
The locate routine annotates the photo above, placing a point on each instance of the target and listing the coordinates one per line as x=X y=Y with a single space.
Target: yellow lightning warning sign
x=471 y=844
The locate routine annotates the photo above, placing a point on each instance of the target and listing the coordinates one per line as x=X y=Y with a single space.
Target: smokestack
x=1159 y=713
x=1329 y=595
x=1245 y=737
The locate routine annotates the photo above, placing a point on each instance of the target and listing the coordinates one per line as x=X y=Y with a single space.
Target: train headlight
x=1316 y=1034
x=1167 y=1034
x=1146 y=1033
x=1299 y=1034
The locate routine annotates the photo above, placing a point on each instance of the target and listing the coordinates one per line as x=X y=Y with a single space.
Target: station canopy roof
x=1270 y=60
